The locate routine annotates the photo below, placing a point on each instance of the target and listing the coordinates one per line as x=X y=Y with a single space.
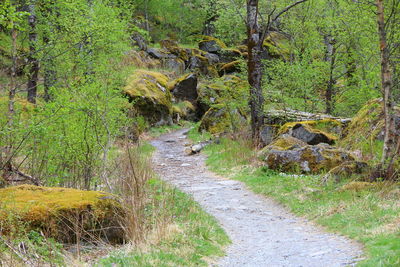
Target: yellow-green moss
x=171 y=85
x=183 y=108
x=230 y=66
x=206 y=38
x=52 y=209
x=149 y=84
x=325 y=126
x=286 y=142
x=364 y=130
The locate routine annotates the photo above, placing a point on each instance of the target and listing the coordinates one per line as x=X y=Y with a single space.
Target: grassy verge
x=178 y=231
x=369 y=213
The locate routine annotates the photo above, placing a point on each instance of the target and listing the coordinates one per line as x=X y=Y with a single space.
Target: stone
x=176 y=65
x=151 y=99
x=210 y=46
x=212 y=58
x=159 y=53
x=219 y=120
x=310 y=136
x=185 y=88
x=268 y=133
x=290 y=154
x=53 y=212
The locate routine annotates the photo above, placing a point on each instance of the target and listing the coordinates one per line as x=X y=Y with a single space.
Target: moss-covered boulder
x=308 y=131
x=220 y=119
x=150 y=96
x=185 y=88
x=290 y=154
x=61 y=212
x=211 y=44
x=230 y=55
x=345 y=170
x=230 y=67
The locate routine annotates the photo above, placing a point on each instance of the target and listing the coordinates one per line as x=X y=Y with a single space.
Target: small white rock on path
x=263 y=233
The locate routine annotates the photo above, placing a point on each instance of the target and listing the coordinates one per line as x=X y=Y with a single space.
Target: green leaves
x=10 y=18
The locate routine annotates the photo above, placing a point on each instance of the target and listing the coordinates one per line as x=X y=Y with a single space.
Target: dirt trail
x=262 y=232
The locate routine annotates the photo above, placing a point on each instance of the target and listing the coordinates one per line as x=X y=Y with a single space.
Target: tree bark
x=254 y=65
x=389 y=146
x=33 y=63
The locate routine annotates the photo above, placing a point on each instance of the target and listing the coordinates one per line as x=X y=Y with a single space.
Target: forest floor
x=263 y=233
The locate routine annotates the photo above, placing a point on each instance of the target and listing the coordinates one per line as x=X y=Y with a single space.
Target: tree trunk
x=33 y=63
x=254 y=65
x=389 y=146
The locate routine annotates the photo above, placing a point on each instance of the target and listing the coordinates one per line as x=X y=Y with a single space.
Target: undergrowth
x=368 y=214
x=173 y=229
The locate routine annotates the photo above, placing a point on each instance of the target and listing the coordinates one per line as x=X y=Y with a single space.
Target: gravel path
x=262 y=232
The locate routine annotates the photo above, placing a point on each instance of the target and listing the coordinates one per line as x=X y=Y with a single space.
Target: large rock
x=314 y=132
x=230 y=67
x=56 y=211
x=211 y=44
x=176 y=65
x=185 y=88
x=159 y=53
x=220 y=119
x=290 y=154
x=229 y=55
x=150 y=96
x=268 y=134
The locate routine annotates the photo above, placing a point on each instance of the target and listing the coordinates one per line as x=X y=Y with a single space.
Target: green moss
x=53 y=209
x=364 y=132
x=171 y=85
x=206 y=38
x=183 y=108
x=286 y=142
x=149 y=84
x=230 y=67
x=325 y=126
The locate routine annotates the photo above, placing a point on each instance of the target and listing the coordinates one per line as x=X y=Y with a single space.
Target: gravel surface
x=263 y=233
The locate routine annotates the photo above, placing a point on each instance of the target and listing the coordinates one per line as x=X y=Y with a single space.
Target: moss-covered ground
x=369 y=214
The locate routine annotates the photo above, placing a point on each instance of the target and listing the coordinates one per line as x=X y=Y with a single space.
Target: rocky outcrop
x=211 y=44
x=185 y=88
x=150 y=96
x=219 y=119
x=55 y=212
x=290 y=154
x=307 y=132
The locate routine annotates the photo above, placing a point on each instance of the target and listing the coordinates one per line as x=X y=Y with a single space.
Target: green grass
x=191 y=237
x=370 y=215
x=181 y=234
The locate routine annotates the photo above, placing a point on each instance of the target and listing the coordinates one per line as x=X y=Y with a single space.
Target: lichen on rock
x=290 y=154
